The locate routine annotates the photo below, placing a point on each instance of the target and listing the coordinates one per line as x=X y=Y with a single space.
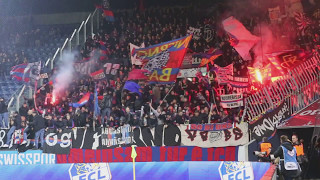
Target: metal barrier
x=300 y=87
x=78 y=37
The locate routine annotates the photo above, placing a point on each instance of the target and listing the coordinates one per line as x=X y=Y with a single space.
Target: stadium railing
x=299 y=88
x=78 y=37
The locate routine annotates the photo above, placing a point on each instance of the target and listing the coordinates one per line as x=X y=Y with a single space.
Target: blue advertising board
x=144 y=170
x=26 y=158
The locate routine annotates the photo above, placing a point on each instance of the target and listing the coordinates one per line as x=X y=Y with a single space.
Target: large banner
x=85 y=138
x=209 y=135
x=111 y=137
x=149 y=170
x=228 y=137
x=57 y=143
x=266 y=125
x=29 y=157
x=150 y=154
x=231 y=100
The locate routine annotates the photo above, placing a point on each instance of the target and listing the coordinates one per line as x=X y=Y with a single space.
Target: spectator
x=15 y=123
x=39 y=125
x=196 y=119
x=23 y=111
x=3 y=114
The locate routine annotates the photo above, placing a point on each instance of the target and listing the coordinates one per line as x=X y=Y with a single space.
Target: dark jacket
x=3 y=107
x=23 y=111
x=80 y=120
x=38 y=123
x=279 y=153
x=107 y=101
x=179 y=119
x=196 y=120
x=59 y=124
x=17 y=122
x=49 y=123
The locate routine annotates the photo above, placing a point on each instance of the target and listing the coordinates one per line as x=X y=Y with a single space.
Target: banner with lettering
x=238 y=82
x=266 y=125
x=84 y=67
x=223 y=73
x=150 y=154
x=196 y=32
x=231 y=100
x=210 y=127
x=117 y=137
x=163 y=76
x=57 y=142
x=229 y=137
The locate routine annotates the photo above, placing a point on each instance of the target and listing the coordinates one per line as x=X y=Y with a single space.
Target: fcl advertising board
x=151 y=170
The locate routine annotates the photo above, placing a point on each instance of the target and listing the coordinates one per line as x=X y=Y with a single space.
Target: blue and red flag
x=84 y=100
x=109 y=16
x=164 y=76
x=132 y=87
x=17 y=72
x=25 y=72
x=163 y=60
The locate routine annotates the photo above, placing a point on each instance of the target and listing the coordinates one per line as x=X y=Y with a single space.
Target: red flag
x=137 y=74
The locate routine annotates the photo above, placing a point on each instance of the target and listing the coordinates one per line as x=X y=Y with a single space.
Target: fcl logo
x=90 y=171
x=236 y=171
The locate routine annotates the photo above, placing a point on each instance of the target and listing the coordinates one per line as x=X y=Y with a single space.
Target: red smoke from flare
x=53 y=100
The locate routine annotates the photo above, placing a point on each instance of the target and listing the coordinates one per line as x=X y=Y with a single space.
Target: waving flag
x=137 y=74
x=207 y=58
x=241 y=39
x=164 y=60
x=108 y=15
x=134 y=59
x=84 y=100
x=132 y=87
x=284 y=61
x=27 y=71
x=303 y=22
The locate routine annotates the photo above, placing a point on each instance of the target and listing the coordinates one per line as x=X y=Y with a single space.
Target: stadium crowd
x=186 y=101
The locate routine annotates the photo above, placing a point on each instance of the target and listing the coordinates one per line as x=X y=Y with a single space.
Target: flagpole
x=94 y=104
x=210 y=113
x=133 y=156
x=166 y=95
x=134 y=168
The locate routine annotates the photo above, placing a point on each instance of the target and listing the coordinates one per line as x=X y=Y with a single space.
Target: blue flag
x=132 y=87
x=96 y=105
